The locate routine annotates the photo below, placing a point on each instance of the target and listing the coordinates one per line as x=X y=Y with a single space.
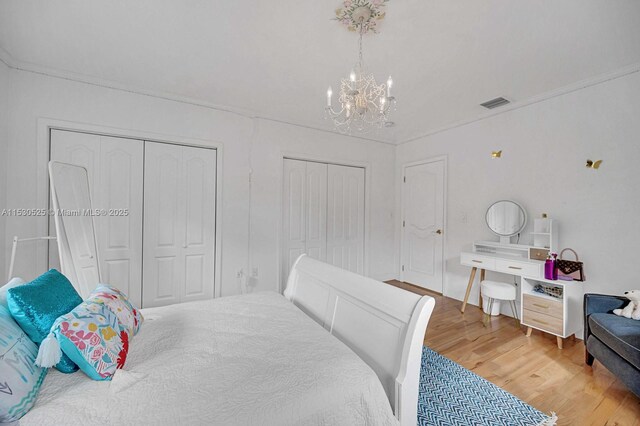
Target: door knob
x=439 y=231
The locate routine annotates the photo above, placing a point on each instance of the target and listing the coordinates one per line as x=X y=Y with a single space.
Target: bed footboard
x=383 y=324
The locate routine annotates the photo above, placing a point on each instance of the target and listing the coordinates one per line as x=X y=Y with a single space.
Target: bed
x=336 y=349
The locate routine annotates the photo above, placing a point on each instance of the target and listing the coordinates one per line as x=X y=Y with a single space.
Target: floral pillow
x=130 y=318
x=90 y=336
x=96 y=334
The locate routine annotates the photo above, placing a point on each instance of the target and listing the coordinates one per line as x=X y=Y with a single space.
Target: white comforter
x=242 y=360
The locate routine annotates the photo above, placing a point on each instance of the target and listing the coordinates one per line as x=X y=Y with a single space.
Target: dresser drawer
x=543 y=322
x=552 y=308
x=516 y=267
x=477 y=260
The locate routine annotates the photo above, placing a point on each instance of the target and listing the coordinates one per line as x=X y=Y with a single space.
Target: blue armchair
x=614 y=341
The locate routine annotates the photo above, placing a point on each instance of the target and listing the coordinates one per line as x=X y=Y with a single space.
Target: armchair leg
x=588 y=358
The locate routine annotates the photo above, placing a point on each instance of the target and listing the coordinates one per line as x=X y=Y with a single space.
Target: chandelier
x=363 y=103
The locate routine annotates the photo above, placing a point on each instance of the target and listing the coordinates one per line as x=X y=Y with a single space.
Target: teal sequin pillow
x=20 y=379
x=35 y=306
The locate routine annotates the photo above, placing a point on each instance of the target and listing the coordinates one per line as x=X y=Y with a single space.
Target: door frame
x=325 y=160
x=44 y=127
x=445 y=184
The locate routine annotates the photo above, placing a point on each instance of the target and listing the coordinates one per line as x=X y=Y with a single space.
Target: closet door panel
x=120 y=231
x=114 y=166
x=199 y=188
x=163 y=260
x=316 y=210
x=294 y=213
x=345 y=217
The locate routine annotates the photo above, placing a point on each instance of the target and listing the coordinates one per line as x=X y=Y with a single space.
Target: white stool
x=494 y=290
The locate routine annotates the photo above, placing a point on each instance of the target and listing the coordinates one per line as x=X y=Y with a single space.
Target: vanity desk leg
x=482 y=271
x=471 y=278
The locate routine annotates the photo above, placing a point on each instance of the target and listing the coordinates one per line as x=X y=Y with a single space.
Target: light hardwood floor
x=533 y=369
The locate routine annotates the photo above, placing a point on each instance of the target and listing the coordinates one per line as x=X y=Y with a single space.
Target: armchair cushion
x=620 y=334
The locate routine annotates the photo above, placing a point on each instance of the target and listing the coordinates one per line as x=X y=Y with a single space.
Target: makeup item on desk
x=555 y=266
x=549 y=267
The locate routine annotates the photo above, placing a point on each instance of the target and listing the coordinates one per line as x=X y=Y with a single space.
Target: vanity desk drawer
x=543 y=322
x=552 y=308
x=477 y=260
x=517 y=268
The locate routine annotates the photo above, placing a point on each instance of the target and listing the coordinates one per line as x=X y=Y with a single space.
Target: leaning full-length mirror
x=74 y=225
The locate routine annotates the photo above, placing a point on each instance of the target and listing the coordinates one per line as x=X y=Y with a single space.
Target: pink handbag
x=570 y=268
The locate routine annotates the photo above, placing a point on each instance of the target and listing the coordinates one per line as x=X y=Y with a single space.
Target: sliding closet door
x=179 y=224
x=114 y=166
x=345 y=213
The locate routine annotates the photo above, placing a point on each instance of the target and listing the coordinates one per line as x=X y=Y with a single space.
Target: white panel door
x=115 y=170
x=120 y=195
x=199 y=186
x=345 y=216
x=294 y=214
x=422 y=230
x=179 y=224
x=316 y=210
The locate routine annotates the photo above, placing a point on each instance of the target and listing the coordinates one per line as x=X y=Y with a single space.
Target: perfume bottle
x=555 y=266
x=549 y=268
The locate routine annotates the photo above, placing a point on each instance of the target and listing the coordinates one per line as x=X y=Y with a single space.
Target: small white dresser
x=560 y=316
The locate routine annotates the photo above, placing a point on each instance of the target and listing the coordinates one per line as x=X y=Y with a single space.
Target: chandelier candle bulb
x=329 y=94
x=389 y=84
x=352 y=76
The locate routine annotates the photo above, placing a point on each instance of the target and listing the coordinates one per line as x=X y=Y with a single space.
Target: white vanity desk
x=506 y=258
x=561 y=317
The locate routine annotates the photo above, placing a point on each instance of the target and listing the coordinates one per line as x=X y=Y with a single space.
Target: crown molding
x=583 y=84
x=11 y=62
x=15 y=64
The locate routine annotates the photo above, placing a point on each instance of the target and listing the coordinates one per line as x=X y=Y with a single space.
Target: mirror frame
x=524 y=222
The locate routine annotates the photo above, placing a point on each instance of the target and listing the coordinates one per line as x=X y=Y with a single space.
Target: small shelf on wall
x=545 y=234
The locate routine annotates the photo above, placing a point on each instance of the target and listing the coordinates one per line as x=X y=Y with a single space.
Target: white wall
x=4 y=109
x=545 y=146
x=246 y=143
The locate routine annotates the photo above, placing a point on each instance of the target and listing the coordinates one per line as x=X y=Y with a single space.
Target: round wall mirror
x=506 y=218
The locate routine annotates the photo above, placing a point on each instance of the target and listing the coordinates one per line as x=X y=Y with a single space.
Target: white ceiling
x=275 y=59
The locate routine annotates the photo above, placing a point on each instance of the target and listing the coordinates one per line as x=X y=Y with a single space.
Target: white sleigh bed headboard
x=383 y=324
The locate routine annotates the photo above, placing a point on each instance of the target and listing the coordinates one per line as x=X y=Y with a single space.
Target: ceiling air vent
x=495 y=103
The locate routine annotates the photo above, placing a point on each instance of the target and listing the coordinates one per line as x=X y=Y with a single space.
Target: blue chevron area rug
x=452 y=395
